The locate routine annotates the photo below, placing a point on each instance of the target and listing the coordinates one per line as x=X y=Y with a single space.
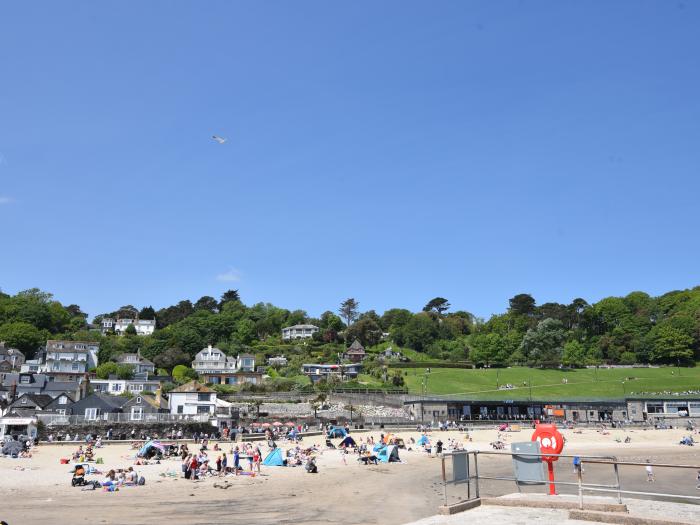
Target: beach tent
x=388 y=454
x=12 y=448
x=348 y=442
x=146 y=450
x=337 y=432
x=274 y=458
x=423 y=440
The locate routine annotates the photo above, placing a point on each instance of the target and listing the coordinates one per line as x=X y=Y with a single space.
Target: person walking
x=650 y=472
x=698 y=480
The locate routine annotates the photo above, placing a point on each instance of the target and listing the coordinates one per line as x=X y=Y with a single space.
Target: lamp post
x=529 y=384
x=498 y=384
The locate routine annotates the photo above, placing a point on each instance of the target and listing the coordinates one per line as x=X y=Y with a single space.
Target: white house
x=69 y=358
x=142 y=326
x=299 y=331
x=215 y=367
x=280 y=360
x=192 y=398
x=115 y=386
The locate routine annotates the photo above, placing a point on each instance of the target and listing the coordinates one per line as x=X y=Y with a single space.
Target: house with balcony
x=299 y=331
x=98 y=406
x=69 y=359
x=334 y=372
x=26 y=383
x=115 y=386
x=191 y=399
x=145 y=407
x=215 y=367
x=140 y=364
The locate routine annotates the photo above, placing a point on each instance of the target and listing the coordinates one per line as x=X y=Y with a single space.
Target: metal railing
x=145 y=418
x=475 y=477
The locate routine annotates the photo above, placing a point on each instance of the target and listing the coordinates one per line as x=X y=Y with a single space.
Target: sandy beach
x=38 y=490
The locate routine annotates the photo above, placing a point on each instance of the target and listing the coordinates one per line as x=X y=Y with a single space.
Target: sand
x=38 y=491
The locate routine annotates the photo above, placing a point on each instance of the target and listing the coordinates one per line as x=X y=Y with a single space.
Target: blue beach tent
x=274 y=458
x=337 y=432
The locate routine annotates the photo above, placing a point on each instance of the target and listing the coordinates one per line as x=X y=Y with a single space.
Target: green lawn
x=547 y=384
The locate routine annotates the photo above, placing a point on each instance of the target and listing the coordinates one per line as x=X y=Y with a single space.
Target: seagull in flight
x=218 y=139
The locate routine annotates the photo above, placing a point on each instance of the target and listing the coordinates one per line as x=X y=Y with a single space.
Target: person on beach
x=224 y=464
x=650 y=473
x=257 y=458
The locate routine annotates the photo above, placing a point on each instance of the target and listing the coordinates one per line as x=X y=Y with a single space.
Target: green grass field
x=548 y=385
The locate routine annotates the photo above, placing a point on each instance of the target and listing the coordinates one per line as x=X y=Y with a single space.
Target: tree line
x=636 y=328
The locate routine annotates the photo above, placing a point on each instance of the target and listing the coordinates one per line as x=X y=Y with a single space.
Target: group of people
x=198 y=466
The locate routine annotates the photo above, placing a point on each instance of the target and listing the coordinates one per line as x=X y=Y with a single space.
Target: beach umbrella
x=255 y=424
x=289 y=424
x=276 y=424
x=266 y=424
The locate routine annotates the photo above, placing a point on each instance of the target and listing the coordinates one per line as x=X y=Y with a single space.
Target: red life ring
x=551 y=440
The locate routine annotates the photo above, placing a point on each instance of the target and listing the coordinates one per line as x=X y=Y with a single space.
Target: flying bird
x=218 y=139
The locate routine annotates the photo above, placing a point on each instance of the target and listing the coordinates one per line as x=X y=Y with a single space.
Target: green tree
x=182 y=374
x=671 y=345
x=367 y=331
x=439 y=305
x=349 y=310
x=522 y=304
x=207 y=303
x=543 y=345
x=420 y=332
x=104 y=370
x=574 y=354
x=22 y=336
x=229 y=296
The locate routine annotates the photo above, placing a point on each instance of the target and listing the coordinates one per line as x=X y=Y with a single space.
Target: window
x=62 y=400
x=61 y=411
x=91 y=413
x=24 y=379
x=24 y=400
x=138 y=400
x=202 y=409
x=116 y=387
x=136 y=413
x=655 y=408
x=74 y=367
x=180 y=409
x=203 y=397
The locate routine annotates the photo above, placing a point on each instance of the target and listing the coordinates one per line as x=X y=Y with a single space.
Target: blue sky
x=389 y=151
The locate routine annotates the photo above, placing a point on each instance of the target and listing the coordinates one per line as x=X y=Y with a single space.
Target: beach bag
x=142 y=480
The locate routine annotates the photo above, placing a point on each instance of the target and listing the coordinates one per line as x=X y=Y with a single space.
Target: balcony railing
x=65 y=420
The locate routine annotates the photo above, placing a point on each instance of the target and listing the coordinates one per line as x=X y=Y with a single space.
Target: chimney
x=13 y=391
x=83 y=387
x=159 y=397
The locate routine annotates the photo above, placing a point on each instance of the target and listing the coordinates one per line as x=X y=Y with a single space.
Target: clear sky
x=389 y=151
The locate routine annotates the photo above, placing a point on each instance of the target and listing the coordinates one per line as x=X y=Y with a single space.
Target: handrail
x=590 y=487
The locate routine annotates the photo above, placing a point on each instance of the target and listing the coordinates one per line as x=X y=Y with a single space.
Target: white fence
x=146 y=418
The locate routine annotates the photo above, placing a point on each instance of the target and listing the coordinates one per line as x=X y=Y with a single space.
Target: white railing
x=59 y=420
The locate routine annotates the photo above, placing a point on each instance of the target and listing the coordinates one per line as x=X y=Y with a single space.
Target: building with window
x=356 y=352
x=144 y=408
x=119 y=326
x=141 y=365
x=13 y=357
x=648 y=409
x=116 y=386
x=98 y=406
x=278 y=361
x=338 y=372
x=299 y=331
x=215 y=367
x=26 y=383
x=192 y=398
x=69 y=358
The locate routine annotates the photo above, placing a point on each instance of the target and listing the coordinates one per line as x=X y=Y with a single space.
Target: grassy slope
x=547 y=384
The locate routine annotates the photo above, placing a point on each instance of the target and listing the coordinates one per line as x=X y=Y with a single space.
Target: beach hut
x=337 y=432
x=274 y=458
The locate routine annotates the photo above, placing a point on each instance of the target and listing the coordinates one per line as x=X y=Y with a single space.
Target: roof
x=300 y=326
x=40 y=400
x=356 y=346
x=141 y=360
x=245 y=355
x=192 y=386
